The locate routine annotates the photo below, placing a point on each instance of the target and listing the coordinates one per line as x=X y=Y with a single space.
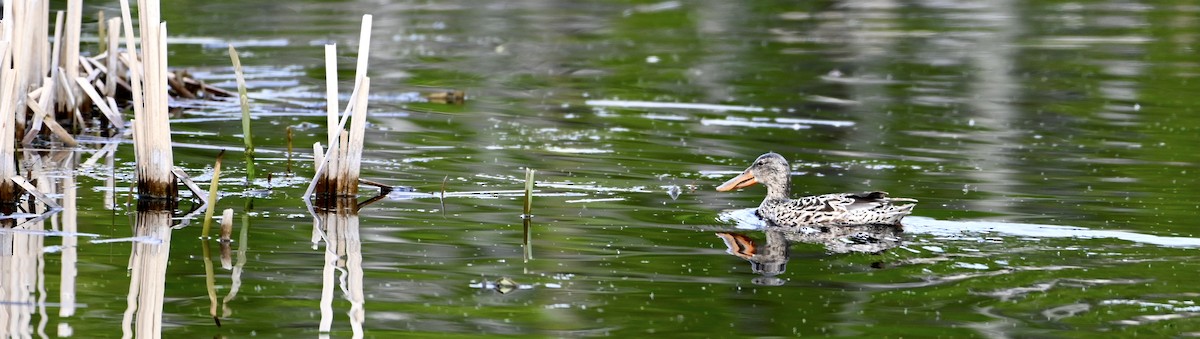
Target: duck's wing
x=840 y=208
x=810 y=210
x=871 y=200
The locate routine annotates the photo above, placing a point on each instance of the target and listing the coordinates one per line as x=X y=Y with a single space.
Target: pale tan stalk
x=354 y=149
x=113 y=67
x=8 y=109
x=135 y=76
x=70 y=50
x=331 y=92
x=113 y=116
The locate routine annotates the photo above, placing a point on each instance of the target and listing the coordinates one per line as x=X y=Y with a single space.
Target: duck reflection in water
x=770 y=259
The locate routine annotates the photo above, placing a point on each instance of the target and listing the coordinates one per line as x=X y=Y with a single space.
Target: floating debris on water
x=505 y=285
x=448 y=97
x=674 y=191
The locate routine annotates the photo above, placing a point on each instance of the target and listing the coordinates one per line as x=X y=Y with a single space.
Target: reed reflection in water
x=148 y=270
x=337 y=226
x=22 y=284
x=23 y=246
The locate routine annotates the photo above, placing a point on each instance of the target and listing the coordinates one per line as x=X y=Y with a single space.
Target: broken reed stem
x=247 y=138
x=9 y=193
x=224 y=240
x=337 y=170
x=112 y=62
x=102 y=32
x=70 y=56
x=212 y=196
x=331 y=94
x=528 y=193
x=358 y=126
x=226 y=225
x=152 y=130
x=528 y=216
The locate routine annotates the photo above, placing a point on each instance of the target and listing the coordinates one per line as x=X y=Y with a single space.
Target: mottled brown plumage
x=780 y=209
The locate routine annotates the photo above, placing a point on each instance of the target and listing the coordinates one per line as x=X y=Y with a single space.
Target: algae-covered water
x=1051 y=145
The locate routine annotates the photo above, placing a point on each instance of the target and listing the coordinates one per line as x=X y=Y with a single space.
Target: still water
x=1050 y=143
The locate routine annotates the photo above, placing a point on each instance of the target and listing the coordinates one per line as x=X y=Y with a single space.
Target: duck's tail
x=887 y=210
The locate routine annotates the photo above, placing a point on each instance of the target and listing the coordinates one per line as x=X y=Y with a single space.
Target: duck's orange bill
x=742 y=180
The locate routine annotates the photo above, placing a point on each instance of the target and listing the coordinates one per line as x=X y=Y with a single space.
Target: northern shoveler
x=780 y=209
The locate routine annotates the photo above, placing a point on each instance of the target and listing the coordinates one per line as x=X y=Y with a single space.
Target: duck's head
x=770 y=169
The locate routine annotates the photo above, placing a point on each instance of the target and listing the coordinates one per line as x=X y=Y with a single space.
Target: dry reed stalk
x=101 y=32
x=226 y=238
x=112 y=68
x=50 y=94
x=152 y=131
x=340 y=174
x=43 y=47
x=364 y=53
x=226 y=225
x=322 y=178
x=337 y=174
x=331 y=92
x=318 y=153
x=354 y=149
x=26 y=28
x=70 y=53
x=187 y=181
x=72 y=97
x=135 y=72
x=55 y=128
x=103 y=104
x=9 y=193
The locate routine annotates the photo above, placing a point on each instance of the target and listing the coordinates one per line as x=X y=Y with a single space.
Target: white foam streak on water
x=679 y=105
x=577 y=150
x=667 y=117
x=974 y=230
x=950 y=228
x=834 y=123
x=593 y=200
x=745 y=123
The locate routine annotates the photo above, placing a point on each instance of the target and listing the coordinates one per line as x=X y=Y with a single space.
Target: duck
x=779 y=209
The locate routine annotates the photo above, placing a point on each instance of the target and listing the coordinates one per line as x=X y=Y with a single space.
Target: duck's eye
x=760 y=163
